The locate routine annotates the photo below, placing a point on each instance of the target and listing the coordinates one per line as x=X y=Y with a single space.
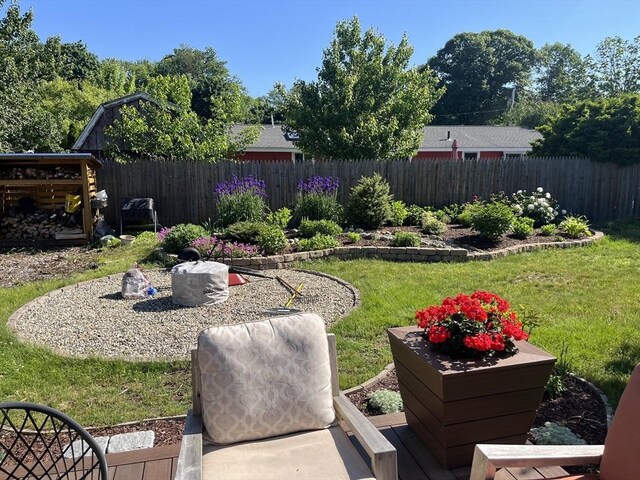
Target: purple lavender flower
x=162 y=234
x=248 y=184
x=317 y=184
x=214 y=248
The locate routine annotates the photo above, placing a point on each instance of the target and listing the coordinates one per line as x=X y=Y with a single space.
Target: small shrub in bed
x=316 y=199
x=492 y=220
x=399 y=213
x=310 y=228
x=414 y=214
x=553 y=434
x=246 y=232
x=317 y=242
x=181 y=236
x=272 y=240
x=353 y=237
x=405 y=239
x=574 y=227
x=280 y=218
x=240 y=200
x=431 y=225
x=522 y=227
x=548 y=230
x=385 y=401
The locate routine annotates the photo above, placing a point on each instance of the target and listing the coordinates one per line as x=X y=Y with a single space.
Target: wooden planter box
x=453 y=404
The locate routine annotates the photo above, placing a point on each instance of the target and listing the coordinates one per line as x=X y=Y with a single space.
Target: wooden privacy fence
x=183 y=190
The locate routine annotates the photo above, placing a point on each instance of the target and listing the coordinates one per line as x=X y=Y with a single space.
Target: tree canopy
x=606 y=130
x=366 y=102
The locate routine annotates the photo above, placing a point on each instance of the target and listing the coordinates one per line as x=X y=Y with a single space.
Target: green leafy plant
x=548 y=230
x=181 y=236
x=522 y=227
x=538 y=205
x=310 y=228
x=280 y=218
x=240 y=200
x=399 y=213
x=431 y=225
x=317 y=242
x=385 y=401
x=453 y=211
x=561 y=370
x=369 y=204
x=464 y=218
x=574 y=226
x=405 y=239
x=353 y=237
x=246 y=232
x=492 y=220
x=414 y=215
x=553 y=434
x=272 y=240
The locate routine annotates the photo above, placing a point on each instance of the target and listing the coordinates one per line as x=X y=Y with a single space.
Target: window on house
x=470 y=155
x=513 y=156
x=299 y=157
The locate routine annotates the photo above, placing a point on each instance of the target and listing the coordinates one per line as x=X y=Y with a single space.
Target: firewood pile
x=29 y=173
x=42 y=224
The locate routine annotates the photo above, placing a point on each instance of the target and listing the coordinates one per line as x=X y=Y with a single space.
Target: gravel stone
x=92 y=318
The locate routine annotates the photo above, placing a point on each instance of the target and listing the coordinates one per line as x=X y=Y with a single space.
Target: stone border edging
x=372 y=381
x=399 y=254
x=601 y=394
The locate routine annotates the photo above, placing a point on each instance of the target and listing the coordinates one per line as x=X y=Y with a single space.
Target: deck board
x=414 y=460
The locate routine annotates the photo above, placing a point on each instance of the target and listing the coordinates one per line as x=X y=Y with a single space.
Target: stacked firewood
x=43 y=224
x=30 y=173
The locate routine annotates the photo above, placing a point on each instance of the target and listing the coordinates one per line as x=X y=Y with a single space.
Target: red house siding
x=491 y=154
x=268 y=156
x=432 y=155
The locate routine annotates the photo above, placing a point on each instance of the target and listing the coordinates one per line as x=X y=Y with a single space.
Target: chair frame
x=381 y=452
x=45 y=463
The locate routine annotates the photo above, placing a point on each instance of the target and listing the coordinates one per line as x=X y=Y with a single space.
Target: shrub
x=272 y=240
x=548 y=230
x=385 y=401
x=317 y=242
x=464 y=217
x=538 y=205
x=574 y=227
x=316 y=200
x=522 y=227
x=247 y=232
x=405 y=239
x=414 y=215
x=240 y=200
x=553 y=434
x=431 y=225
x=353 y=237
x=280 y=218
x=492 y=220
x=369 y=204
x=453 y=211
x=398 y=214
x=310 y=228
x=442 y=216
x=181 y=236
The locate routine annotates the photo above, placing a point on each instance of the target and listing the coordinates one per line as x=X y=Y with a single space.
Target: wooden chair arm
x=383 y=455
x=486 y=458
x=190 y=458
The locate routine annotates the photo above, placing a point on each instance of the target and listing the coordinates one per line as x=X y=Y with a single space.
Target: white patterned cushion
x=265 y=379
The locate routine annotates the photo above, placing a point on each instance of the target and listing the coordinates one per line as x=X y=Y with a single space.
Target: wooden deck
x=414 y=460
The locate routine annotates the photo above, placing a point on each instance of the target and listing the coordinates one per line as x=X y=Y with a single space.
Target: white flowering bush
x=539 y=205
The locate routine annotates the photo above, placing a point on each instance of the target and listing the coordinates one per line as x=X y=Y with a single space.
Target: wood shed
x=46 y=198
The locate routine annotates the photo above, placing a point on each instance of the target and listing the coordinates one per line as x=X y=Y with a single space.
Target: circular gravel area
x=92 y=318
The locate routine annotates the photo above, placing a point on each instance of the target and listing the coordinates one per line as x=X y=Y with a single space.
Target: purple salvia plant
x=162 y=234
x=212 y=247
x=248 y=184
x=317 y=184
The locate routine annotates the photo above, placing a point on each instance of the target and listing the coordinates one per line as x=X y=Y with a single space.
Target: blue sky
x=266 y=41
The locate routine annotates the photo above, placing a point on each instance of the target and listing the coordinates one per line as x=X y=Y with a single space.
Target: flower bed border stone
x=396 y=254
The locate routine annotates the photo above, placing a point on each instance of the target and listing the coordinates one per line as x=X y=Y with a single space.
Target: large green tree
x=615 y=66
x=366 y=102
x=167 y=128
x=480 y=72
x=560 y=74
x=607 y=129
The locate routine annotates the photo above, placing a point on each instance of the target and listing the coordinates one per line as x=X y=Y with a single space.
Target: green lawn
x=585 y=298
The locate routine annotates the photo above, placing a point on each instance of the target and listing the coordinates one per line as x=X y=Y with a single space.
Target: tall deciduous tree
x=480 y=71
x=615 y=67
x=366 y=102
x=607 y=129
x=561 y=74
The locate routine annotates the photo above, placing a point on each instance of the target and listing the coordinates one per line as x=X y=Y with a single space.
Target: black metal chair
x=39 y=442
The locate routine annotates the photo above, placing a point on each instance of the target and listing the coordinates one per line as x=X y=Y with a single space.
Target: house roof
x=434 y=138
x=105 y=106
x=477 y=136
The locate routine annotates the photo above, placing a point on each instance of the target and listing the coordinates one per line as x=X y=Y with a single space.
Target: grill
x=138 y=211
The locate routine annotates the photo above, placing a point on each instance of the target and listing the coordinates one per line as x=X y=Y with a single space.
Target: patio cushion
x=265 y=379
x=319 y=455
